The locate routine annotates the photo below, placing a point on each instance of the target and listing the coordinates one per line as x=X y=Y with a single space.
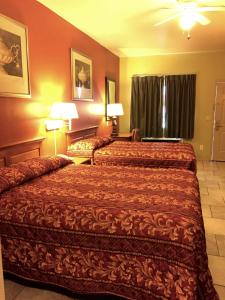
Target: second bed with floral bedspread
x=144 y=154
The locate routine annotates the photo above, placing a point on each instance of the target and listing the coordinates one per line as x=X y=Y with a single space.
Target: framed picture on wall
x=14 y=70
x=81 y=74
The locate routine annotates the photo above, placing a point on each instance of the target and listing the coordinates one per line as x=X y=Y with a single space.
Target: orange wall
x=49 y=40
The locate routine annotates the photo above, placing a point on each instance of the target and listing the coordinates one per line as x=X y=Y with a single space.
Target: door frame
x=214 y=117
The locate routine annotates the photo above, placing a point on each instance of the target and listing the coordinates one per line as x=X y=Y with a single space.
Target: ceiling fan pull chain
x=188 y=35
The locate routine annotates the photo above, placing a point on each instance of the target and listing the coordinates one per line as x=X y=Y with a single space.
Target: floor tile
x=39 y=294
x=206 y=211
x=12 y=289
x=210 y=164
x=220 y=291
x=216 y=193
x=210 y=200
x=211 y=244
x=218 y=212
x=220 y=171
x=211 y=170
x=201 y=177
x=221 y=244
x=211 y=181
x=221 y=183
x=201 y=182
x=200 y=164
x=213 y=177
x=204 y=191
x=214 y=226
x=208 y=185
x=217 y=267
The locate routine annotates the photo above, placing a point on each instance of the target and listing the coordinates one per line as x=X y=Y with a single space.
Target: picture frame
x=81 y=76
x=14 y=64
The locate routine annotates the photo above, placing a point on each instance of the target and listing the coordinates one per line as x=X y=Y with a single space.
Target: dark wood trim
x=21 y=150
x=81 y=130
x=30 y=141
x=73 y=136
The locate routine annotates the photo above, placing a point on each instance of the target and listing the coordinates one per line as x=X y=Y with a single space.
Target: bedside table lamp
x=64 y=111
x=113 y=111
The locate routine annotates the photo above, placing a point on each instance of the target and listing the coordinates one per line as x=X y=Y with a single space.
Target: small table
x=125 y=136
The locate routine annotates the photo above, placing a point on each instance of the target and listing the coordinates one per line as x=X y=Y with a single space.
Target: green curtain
x=146 y=105
x=180 y=105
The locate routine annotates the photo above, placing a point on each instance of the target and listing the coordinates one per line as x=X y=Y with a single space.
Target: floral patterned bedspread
x=132 y=232
x=153 y=154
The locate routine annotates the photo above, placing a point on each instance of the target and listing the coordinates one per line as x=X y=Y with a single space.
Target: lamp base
x=114 y=128
x=114 y=134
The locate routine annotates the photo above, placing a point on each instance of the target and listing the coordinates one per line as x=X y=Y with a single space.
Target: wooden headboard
x=19 y=151
x=73 y=136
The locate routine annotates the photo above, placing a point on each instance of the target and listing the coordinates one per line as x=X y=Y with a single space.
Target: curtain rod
x=161 y=75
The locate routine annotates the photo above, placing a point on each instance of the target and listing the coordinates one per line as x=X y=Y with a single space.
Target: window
x=163 y=106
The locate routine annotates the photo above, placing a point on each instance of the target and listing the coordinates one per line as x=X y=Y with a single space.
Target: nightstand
x=80 y=160
x=126 y=136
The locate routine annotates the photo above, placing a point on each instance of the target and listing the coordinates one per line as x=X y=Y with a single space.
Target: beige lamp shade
x=114 y=110
x=64 y=111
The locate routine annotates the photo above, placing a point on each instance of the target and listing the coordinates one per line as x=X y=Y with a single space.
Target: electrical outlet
x=201 y=147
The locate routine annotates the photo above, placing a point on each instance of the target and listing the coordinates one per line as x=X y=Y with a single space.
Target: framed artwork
x=81 y=69
x=14 y=70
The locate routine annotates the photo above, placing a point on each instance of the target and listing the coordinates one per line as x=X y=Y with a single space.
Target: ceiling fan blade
x=210 y=8
x=202 y=19
x=167 y=19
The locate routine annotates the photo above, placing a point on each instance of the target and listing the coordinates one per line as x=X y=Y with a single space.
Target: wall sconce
x=53 y=125
x=113 y=111
x=64 y=111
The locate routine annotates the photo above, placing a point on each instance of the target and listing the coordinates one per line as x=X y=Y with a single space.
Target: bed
x=105 y=151
x=153 y=154
x=136 y=233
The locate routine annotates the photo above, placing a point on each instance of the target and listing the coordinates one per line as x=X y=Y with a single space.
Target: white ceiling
x=126 y=28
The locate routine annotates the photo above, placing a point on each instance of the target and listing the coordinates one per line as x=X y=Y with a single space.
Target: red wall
x=50 y=39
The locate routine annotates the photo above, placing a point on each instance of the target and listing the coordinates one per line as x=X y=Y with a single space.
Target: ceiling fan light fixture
x=187 y=20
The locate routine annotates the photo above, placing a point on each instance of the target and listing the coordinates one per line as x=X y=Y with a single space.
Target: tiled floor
x=211 y=177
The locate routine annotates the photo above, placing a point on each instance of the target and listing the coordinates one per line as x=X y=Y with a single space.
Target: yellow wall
x=209 y=67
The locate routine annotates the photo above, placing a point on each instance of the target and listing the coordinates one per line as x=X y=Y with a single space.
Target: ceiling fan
x=190 y=12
